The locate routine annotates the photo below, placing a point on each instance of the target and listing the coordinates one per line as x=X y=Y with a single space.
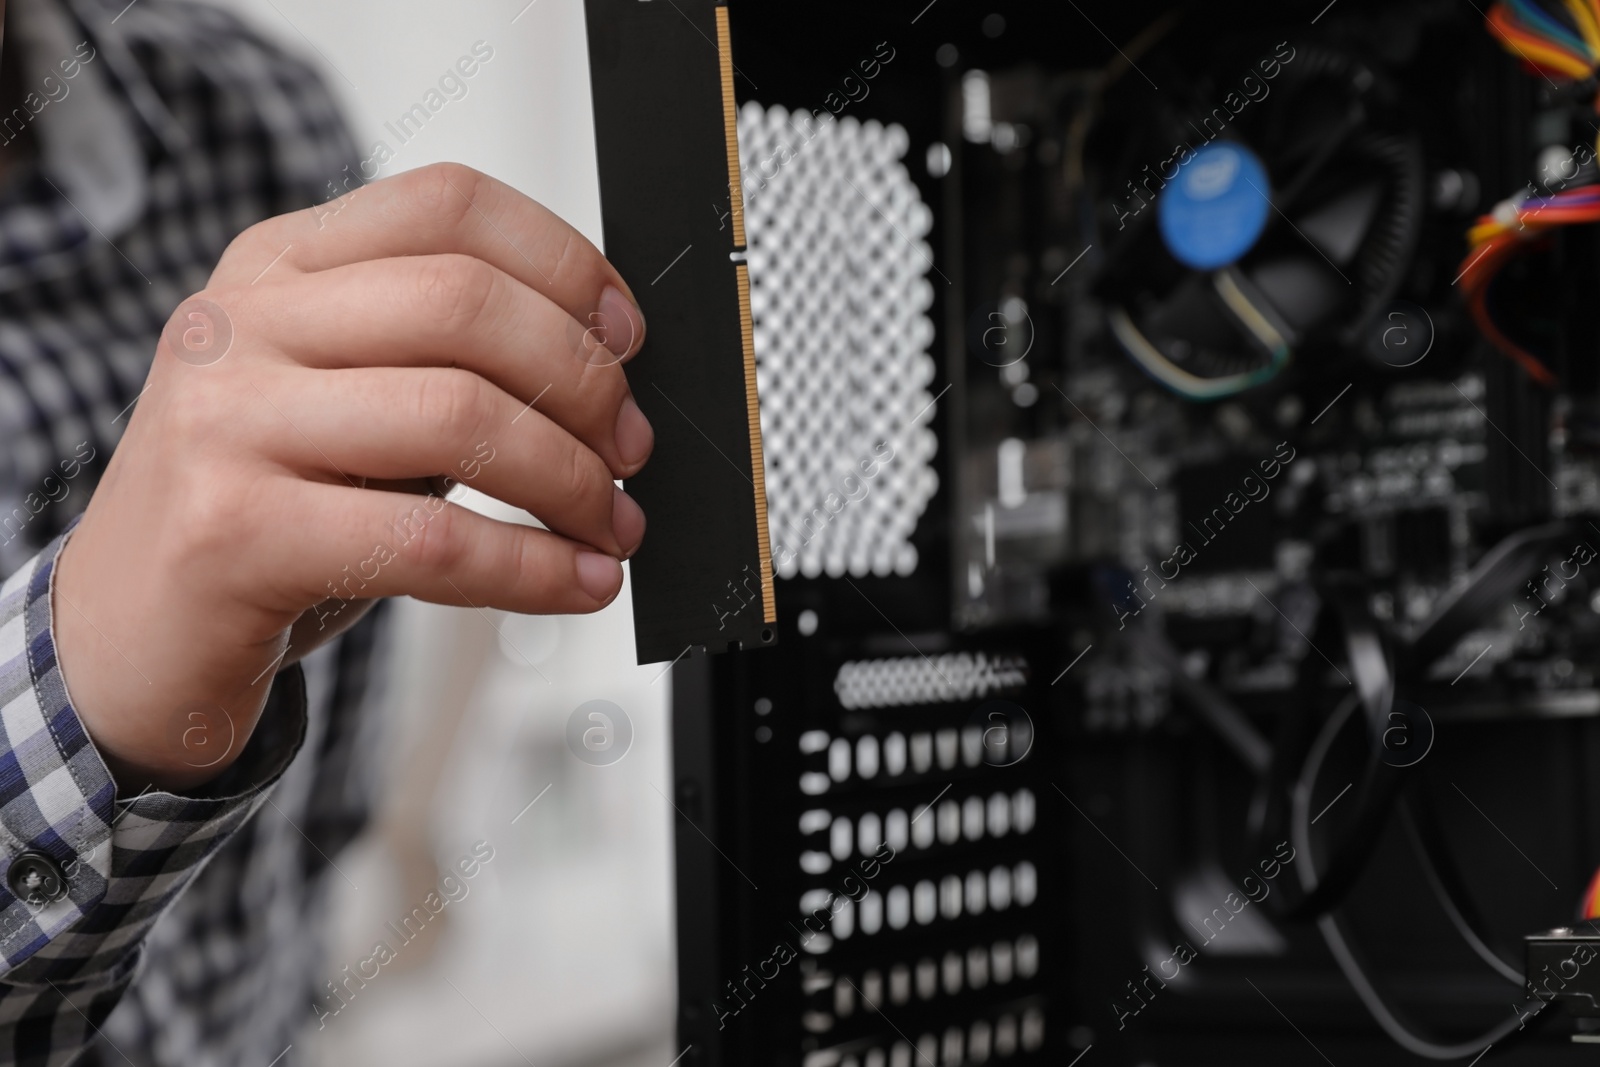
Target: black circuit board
x=668 y=160
x=1398 y=446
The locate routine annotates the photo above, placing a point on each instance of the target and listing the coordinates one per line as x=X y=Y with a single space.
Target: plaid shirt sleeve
x=64 y=966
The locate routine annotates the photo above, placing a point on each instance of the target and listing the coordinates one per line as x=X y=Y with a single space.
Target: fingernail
x=627 y=523
x=599 y=575
x=635 y=438
x=622 y=322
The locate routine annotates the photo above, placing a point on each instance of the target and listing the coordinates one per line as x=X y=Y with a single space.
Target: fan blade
x=1338 y=226
x=1323 y=147
x=1302 y=288
x=1191 y=317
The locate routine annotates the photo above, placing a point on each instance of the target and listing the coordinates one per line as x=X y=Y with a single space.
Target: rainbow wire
x=1502 y=235
x=1560 y=41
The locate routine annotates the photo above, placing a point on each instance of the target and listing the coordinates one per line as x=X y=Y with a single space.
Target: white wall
x=562 y=951
x=526 y=119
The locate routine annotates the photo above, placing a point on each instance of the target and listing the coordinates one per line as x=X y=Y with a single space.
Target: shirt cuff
x=122 y=860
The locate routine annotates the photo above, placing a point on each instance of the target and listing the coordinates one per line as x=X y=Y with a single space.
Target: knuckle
x=456 y=289
x=445 y=192
x=211 y=293
x=563 y=264
x=246 y=246
x=585 y=477
x=225 y=295
x=574 y=476
x=200 y=329
x=602 y=392
x=428 y=536
x=451 y=402
x=529 y=568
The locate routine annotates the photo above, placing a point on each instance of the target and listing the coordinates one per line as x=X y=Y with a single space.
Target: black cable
x=1400 y=1030
x=1289 y=767
x=1497 y=578
x=1427 y=841
x=1210 y=706
x=1375 y=663
x=1342 y=615
x=1213 y=709
x=1448 y=884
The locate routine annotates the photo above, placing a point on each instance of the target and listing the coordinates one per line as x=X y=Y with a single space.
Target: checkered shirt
x=190 y=932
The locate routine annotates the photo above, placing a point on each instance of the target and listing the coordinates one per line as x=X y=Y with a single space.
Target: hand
x=435 y=325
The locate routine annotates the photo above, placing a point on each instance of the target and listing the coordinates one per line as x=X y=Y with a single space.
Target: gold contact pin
x=730 y=122
x=769 y=602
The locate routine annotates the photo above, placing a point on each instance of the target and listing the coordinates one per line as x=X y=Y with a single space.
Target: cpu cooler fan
x=1279 y=222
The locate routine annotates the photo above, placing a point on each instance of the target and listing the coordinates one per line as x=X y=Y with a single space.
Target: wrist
x=151 y=724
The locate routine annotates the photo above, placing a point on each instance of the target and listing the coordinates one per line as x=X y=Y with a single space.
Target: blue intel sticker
x=1216 y=207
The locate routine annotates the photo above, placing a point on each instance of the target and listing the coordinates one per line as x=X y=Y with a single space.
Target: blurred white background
x=561 y=952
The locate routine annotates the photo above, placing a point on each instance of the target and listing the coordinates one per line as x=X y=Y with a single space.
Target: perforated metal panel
x=840 y=292
x=877 y=889
x=955 y=676
x=937 y=959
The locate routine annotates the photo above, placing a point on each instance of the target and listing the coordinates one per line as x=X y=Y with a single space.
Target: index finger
x=444 y=208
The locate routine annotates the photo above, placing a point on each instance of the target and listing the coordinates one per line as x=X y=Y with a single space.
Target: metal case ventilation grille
x=940 y=959
x=883 y=683
x=840 y=294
